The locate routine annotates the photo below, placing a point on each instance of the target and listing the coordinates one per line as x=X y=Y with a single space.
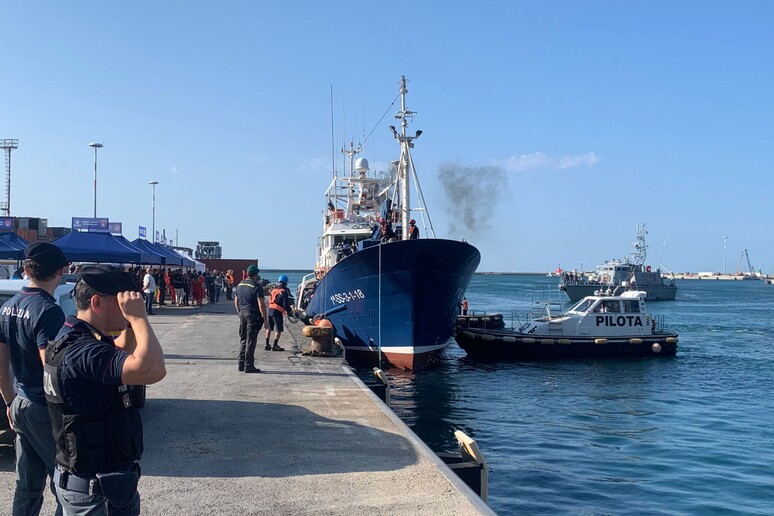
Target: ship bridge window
x=631 y=307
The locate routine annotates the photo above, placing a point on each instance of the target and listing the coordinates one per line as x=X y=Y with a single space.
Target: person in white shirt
x=149 y=289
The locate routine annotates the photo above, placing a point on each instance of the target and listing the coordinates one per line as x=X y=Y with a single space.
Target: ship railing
x=546 y=302
x=658 y=326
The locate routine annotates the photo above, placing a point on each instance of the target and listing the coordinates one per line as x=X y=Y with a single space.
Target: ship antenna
x=406 y=143
x=640 y=246
x=333 y=144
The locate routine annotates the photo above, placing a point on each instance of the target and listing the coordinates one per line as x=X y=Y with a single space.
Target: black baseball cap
x=107 y=280
x=47 y=254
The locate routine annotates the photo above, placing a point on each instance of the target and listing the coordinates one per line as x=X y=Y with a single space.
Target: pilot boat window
x=631 y=306
x=582 y=305
x=607 y=307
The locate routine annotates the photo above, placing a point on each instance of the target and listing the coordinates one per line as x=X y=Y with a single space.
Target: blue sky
x=591 y=117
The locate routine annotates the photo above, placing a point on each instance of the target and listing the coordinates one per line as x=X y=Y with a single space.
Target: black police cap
x=45 y=253
x=107 y=280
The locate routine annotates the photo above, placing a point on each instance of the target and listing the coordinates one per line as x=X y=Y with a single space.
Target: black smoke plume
x=472 y=193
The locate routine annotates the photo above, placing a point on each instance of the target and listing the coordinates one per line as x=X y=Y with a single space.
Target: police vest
x=276 y=300
x=86 y=445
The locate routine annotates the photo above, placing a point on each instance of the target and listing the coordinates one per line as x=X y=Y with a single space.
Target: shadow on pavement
x=7 y=458
x=210 y=438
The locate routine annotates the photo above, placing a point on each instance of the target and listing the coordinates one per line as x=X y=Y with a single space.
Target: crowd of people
x=177 y=287
x=67 y=382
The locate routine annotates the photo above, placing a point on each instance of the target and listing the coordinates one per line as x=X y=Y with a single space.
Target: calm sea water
x=692 y=434
x=686 y=435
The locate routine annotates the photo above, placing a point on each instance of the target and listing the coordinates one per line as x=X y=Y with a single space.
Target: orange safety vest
x=276 y=298
x=464 y=304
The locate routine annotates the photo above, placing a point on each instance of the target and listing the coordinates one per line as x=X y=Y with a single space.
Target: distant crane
x=745 y=256
x=7 y=145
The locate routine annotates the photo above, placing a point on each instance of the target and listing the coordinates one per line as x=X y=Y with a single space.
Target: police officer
x=98 y=432
x=279 y=305
x=27 y=322
x=251 y=307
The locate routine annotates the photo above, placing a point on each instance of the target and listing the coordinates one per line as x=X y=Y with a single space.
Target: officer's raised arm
x=106 y=299
x=145 y=364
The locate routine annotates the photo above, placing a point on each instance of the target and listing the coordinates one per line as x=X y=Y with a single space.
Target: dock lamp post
x=96 y=146
x=725 y=240
x=153 y=228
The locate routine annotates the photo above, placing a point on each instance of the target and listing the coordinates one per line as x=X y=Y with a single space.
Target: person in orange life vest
x=413 y=230
x=386 y=232
x=279 y=305
x=464 y=305
x=229 y=284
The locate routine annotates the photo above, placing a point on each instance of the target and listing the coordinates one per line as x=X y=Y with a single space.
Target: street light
x=153 y=228
x=96 y=146
x=725 y=239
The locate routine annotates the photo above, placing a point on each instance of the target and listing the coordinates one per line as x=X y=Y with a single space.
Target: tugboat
x=616 y=276
x=390 y=296
x=595 y=327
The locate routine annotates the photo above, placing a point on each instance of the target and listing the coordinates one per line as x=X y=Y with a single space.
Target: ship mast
x=641 y=249
x=406 y=143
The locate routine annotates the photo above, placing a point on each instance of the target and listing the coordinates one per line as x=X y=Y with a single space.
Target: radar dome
x=361 y=165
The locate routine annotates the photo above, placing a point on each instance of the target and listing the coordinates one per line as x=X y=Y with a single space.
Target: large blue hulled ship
x=389 y=296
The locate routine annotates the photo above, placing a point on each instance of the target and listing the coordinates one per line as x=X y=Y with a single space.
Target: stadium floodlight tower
x=8 y=145
x=96 y=146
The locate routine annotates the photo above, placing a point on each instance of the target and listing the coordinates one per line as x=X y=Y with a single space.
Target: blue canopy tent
x=14 y=239
x=146 y=246
x=99 y=248
x=147 y=256
x=172 y=257
x=9 y=251
x=187 y=262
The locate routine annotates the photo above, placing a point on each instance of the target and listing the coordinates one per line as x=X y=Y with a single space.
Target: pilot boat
x=392 y=299
x=595 y=327
x=617 y=276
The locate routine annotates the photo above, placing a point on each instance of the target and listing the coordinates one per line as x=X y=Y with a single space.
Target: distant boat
x=556 y=273
x=396 y=296
x=616 y=276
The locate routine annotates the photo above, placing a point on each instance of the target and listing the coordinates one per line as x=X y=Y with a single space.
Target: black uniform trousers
x=250 y=323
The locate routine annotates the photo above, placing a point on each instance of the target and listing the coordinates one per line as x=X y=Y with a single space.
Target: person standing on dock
x=279 y=306
x=27 y=322
x=229 y=285
x=251 y=307
x=464 y=306
x=149 y=289
x=97 y=428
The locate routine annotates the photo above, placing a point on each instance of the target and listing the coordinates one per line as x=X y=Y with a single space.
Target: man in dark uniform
x=98 y=432
x=251 y=307
x=279 y=306
x=27 y=322
x=413 y=230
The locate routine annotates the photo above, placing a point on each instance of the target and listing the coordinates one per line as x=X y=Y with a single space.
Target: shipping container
x=224 y=264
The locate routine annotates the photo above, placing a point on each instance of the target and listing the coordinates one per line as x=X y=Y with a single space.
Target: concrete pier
x=303 y=437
